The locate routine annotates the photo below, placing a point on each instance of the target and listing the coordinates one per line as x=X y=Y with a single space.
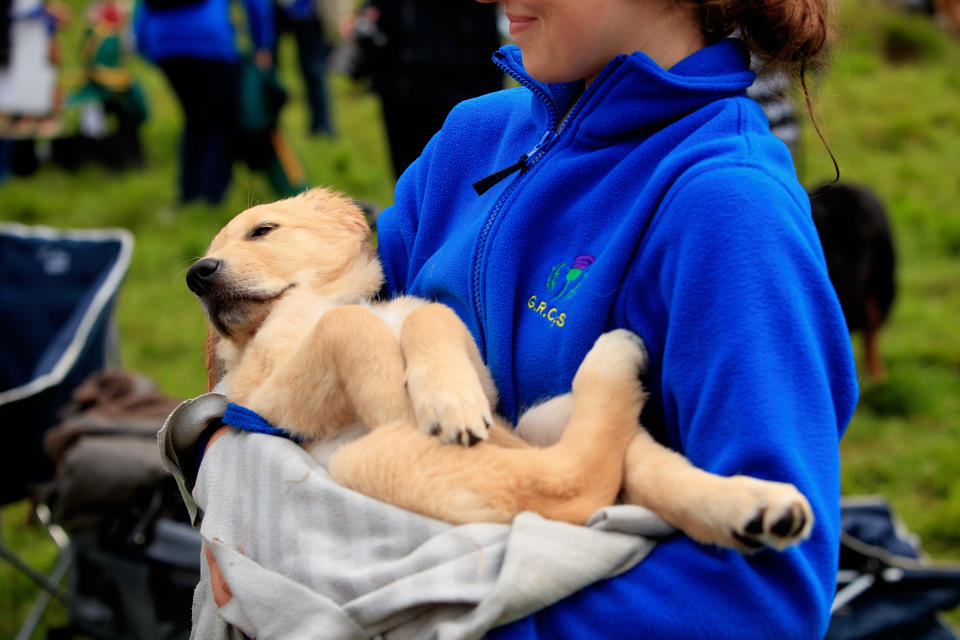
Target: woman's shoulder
x=741 y=163
x=482 y=129
x=742 y=181
x=495 y=112
x=740 y=196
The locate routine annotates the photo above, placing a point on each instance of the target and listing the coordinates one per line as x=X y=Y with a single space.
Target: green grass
x=892 y=125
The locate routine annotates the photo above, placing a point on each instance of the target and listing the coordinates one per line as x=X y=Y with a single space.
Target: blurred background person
x=302 y=19
x=109 y=104
x=194 y=44
x=30 y=99
x=422 y=58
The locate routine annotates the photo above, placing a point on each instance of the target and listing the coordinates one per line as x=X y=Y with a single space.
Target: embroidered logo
x=562 y=283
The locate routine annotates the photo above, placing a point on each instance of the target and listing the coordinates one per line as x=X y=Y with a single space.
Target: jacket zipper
x=481 y=186
x=526 y=161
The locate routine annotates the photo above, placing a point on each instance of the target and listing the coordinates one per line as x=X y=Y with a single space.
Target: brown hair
x=785 y=33
x=778 y=31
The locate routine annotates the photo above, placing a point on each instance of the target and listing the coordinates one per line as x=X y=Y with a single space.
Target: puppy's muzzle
x=204 y=276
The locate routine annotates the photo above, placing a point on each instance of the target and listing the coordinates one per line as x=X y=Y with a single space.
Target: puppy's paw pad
x=791 y=523
x=779 y=521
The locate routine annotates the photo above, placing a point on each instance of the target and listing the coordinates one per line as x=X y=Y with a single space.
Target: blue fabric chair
x=57 y=292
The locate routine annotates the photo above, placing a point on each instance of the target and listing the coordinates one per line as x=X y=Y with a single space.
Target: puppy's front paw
x=467 y=435
x=763 y=514
x=456 y=411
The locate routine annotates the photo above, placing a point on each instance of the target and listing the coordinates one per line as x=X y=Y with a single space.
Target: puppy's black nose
x=203 y=275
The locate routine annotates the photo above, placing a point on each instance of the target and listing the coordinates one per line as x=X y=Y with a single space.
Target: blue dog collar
x=246 y=420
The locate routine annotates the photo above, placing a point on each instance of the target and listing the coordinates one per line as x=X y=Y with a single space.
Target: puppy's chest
x=395 y=312
x=291 y=322
x=283 y=333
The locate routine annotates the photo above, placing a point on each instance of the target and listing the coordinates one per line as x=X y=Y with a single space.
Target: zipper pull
x=482 y=186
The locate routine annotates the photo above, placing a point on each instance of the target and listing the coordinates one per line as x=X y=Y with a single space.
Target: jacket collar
x=633 y=92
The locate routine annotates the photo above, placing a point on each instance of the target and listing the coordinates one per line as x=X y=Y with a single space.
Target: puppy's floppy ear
x=213 y=364
x=350 y=215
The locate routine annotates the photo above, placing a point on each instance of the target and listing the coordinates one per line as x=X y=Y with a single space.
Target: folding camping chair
x=132 y=564
x=886 y=590
x=57 y=290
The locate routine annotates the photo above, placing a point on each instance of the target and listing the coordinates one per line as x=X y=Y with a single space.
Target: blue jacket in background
x=662 y=204
x=202 y=30
x=298 y=9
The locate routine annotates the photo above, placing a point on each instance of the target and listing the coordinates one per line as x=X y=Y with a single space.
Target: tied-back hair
x=789 y=34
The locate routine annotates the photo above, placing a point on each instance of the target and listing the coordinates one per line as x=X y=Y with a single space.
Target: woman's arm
x=754 y=375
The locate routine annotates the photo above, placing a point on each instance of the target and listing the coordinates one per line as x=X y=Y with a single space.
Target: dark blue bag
x=886 y=590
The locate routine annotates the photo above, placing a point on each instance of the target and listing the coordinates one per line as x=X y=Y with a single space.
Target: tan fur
x=287 y=287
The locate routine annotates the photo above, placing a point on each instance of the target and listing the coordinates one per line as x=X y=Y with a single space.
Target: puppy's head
x=309 y=240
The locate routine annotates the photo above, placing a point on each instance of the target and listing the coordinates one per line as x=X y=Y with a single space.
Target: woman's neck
x=669 y=34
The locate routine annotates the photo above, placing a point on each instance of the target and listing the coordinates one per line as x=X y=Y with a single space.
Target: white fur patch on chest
x=396 y=311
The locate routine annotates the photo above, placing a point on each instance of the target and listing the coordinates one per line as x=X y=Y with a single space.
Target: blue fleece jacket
x=201 y=30
x=660 y=203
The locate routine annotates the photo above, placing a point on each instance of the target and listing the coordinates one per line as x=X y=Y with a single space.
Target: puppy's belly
x=322 y=450
x=543 y=424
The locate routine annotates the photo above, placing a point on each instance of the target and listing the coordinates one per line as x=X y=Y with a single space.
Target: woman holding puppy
x=629 y=182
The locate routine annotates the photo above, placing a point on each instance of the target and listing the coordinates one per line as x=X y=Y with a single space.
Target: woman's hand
x=221 y=590
x=263 y=58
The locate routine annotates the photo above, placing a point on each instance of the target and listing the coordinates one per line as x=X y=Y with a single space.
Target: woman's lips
x=519 y=23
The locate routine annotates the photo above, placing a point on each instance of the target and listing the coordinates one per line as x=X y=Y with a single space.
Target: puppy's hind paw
x=779 y=518
x=618 y=358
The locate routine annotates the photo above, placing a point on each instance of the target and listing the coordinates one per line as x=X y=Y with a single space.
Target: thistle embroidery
x=563 y=282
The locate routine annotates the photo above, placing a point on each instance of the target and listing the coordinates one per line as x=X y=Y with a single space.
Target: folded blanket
x=306 y=558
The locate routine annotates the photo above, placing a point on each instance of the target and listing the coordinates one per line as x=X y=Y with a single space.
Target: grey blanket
x=306 y=558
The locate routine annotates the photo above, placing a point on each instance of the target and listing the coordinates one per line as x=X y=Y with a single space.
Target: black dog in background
x=855 y=233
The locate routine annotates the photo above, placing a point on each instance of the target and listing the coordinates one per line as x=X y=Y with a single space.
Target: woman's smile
x=519 y=24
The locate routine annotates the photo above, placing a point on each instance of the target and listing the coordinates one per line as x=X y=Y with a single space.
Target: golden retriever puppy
x=384 y=391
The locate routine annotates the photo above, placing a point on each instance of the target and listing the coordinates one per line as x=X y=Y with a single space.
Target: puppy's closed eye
x=263 y=229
